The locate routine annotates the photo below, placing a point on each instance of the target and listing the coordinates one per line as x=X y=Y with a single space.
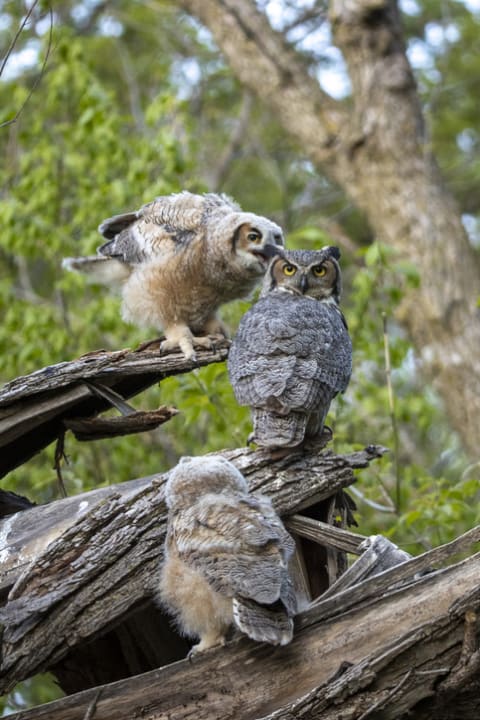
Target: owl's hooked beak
x=304 y=284
x=268 y=251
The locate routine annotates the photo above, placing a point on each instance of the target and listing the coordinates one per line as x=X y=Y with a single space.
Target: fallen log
x=385 y=655
x=78 y=566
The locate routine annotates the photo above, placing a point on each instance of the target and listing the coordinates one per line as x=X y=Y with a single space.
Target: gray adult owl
x=178 y=259
x=226 y=557
x=292 y=353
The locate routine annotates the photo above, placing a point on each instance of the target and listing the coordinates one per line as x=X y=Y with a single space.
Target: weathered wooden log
x=80 y=565
x=379 y=659
x=33 y=407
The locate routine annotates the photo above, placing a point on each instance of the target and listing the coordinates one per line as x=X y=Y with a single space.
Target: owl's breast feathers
x=285 y=348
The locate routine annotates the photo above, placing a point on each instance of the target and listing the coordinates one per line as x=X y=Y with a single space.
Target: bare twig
x=384 y=700
x=371 y=503
x=391 y=405
x=59 y=456
x=44 y=64
x=90 y=714
x=17 y=35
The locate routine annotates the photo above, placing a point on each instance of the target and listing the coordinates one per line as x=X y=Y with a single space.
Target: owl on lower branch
x=292 y=353
x=226 y=557
x=178 y=259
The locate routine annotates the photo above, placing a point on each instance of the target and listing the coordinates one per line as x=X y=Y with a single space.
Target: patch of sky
x=472 y=228
x=467 y=140
x=410 y=7
x=186 y=75
x=82 y=10
x=5 y=22
x=110 y=26
x=22 y=60
x=281 y=15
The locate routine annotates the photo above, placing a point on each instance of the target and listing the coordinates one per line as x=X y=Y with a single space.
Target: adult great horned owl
x=292 y=353
x=226 y=557
x=178 y=259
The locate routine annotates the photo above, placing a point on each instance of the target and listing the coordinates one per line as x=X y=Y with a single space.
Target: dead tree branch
x=36 y=409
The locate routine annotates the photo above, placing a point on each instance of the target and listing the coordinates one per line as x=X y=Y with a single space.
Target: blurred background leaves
x=135 y=102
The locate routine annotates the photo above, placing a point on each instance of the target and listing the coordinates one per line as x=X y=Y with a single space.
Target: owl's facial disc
x=261 y=244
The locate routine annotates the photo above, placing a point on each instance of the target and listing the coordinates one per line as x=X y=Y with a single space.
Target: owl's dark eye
x=319 y=270
x=254 y=236
x=289 y=270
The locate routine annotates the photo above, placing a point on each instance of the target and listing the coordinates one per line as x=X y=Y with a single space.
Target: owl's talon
x=192 y=652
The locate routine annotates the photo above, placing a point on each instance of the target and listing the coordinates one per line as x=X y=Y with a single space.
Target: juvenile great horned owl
x=226 y=557
x=292 y=353
x=178 y=259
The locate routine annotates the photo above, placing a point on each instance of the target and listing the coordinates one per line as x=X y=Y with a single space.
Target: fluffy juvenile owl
x=178 y=259
x=292 y=353
x=226 y=557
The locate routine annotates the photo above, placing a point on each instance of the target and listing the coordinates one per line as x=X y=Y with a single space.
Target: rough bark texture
x=398 y=640
x=37 y=409
x=81 y=565
x=379 y=153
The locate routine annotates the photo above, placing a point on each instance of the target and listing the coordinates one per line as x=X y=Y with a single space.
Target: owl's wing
x=239 y=545
x=284 y=349
x=162 y=226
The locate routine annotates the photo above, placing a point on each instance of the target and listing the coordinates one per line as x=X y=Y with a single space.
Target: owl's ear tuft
x=332 y=251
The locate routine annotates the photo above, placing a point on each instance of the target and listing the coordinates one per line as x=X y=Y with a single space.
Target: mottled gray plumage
x=292 y=353
x=178 y=259
x=226 y=557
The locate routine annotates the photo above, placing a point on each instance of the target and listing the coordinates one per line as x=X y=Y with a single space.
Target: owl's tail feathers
x=276 y=431
x=98 y=268
x=263 y=623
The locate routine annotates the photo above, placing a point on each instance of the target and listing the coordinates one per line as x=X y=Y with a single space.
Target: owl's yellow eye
x=319 y=270
x=289 y=270
x=254 y=236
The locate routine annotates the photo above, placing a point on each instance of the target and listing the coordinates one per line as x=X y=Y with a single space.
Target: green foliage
x=428 y=461
x=120 y=117
x=35 y=691
x=75 y=158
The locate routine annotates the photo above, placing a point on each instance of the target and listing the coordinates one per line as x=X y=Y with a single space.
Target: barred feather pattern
x=292 y=353
x=226 y=557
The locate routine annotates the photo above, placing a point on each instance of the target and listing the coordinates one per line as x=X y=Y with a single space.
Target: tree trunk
x=379 y=153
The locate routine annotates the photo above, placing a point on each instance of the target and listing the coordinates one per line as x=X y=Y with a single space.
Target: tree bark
x=37 y=409
x=80 y=566
x=379 y=152
x=397 y=640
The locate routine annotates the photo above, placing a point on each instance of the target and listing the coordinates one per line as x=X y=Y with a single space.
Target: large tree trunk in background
x=379 y=153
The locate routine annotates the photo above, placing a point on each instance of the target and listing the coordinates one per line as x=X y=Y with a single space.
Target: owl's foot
x=207 y=642
x=182 y=337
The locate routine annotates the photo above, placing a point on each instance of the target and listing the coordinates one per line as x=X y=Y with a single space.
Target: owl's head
x=314 y=273
x=252 y=240
x=197 y=476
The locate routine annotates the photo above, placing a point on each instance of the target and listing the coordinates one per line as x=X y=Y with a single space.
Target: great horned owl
x=292 y=353
x=226 y=557
x=178 y=259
